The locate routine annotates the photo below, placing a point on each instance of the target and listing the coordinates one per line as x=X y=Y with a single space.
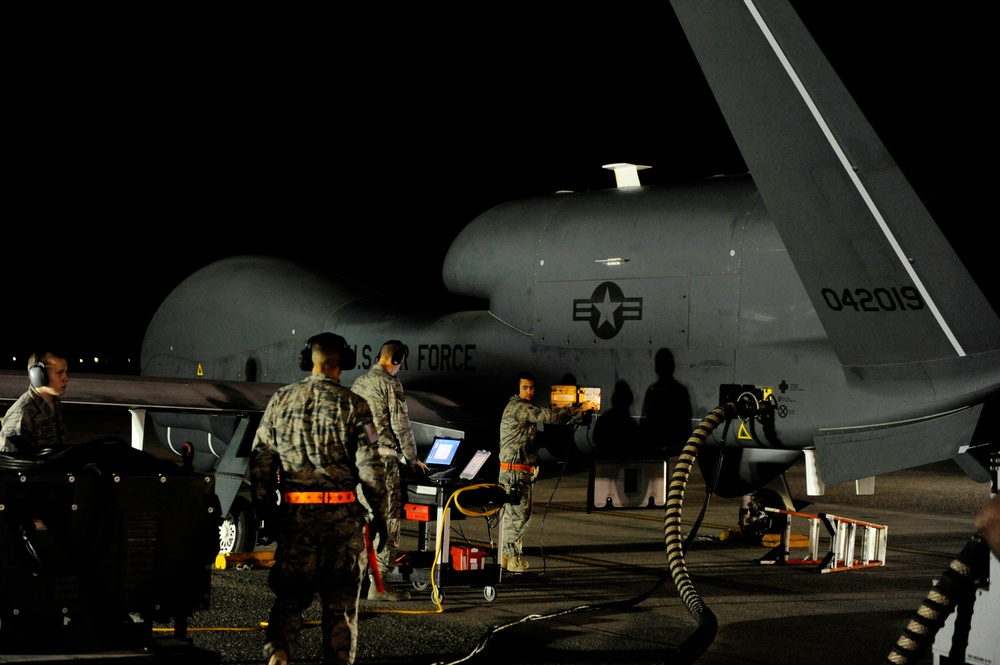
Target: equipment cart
x=433 y=505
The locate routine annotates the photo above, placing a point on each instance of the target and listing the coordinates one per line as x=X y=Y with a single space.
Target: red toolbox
x=468 y=558
x=417 y=513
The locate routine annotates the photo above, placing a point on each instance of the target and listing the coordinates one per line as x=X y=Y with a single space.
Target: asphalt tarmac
x=599 y=589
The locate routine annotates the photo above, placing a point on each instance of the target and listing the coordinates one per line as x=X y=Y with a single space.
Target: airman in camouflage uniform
x=317 y=437
x=35 y=420
x=519 y=462
x=384 y=394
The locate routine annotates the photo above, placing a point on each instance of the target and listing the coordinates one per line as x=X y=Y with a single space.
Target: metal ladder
x=843 y=533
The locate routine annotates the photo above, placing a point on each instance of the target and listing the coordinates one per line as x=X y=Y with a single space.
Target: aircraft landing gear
x=755 y=522
x=238 y=532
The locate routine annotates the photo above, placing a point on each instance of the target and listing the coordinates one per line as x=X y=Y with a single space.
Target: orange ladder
x=843 y=534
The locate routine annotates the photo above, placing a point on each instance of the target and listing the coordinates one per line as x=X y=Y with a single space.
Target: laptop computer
x=462 y=474
x=475 y=464
x=442 y=454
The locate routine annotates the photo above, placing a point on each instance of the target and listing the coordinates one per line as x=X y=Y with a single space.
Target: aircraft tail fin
x=887 y=286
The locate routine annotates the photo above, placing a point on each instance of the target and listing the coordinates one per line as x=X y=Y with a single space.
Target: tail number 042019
x=874 y=300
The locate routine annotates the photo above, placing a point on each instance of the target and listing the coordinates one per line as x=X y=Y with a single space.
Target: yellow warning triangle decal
x=201 y=372
x=741 y=434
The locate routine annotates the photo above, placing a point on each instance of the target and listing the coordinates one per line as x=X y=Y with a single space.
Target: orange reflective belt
x=526 y=468
x=320 y=497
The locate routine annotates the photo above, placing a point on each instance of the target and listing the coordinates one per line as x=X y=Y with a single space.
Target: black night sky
x=137 y=157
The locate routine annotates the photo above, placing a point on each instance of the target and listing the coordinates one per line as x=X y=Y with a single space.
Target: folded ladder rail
x=843 y=541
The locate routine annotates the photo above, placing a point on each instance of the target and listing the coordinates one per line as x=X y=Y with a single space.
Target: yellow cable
x=437 y=554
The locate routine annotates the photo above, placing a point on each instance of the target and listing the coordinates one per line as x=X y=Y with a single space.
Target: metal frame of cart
x=434 y=567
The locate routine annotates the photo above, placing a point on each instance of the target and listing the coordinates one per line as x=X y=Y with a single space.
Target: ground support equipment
x=969 y=634
x=843 y=533
x=974 y=626
x=620 y=483
x=439 y=562
x=98 y=542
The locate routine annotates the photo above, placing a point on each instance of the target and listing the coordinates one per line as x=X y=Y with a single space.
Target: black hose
x=696 y=644
x=957 y=584
x=704 y=634
x=709 y=491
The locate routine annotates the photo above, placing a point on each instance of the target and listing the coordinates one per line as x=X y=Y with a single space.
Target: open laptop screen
x=474 y=465
x=442 y=451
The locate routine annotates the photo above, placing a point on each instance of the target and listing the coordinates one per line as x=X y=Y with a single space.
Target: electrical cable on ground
x=696 y=644
x=956 y=587
x=705 y=632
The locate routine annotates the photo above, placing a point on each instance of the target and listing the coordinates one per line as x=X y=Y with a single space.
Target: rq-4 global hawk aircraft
x=815 y=292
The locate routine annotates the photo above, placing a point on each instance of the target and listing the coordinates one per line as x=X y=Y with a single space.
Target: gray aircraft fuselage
x=704 y=278
x=821 y=288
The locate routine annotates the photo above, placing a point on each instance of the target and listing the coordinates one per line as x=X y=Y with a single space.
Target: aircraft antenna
x=626 y=175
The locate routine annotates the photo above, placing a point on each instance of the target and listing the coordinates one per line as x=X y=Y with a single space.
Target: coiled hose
x=957 y=584
x=704 y=634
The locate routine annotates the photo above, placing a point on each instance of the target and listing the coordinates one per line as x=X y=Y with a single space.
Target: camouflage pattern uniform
x=518 y=434
x=384 y=394
x=31 y=423
x=318 y=436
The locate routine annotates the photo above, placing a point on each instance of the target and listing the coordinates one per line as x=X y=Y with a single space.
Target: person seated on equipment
x=35 y=421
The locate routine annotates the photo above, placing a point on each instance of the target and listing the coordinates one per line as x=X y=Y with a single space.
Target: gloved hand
x=378 y=529
x=268 y=512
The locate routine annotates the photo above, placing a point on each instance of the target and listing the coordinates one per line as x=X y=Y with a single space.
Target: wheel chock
x=244 y=560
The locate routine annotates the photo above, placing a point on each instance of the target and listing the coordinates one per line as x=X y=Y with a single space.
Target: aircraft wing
x=430 y=414
x=137 y=392
x=849 y=453
x=888 y=289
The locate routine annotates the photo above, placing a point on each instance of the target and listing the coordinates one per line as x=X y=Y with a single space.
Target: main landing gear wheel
x=238 y=532
x=489 y=593
x=759 y=522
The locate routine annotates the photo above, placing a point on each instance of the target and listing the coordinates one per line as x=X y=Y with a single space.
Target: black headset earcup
x=38 y=375
x=400 y=354
x=348 y=358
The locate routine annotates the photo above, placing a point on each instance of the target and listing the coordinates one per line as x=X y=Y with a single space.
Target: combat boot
x=387 y=595
x=514 y=564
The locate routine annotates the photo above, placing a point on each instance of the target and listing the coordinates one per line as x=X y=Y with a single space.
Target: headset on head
x=400 y=353
x=330 y=342
x=37 y=373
